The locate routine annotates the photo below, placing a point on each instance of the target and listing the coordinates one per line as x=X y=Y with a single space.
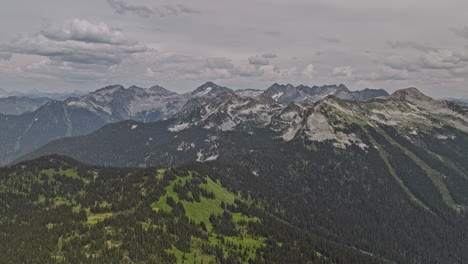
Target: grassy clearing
x=95 y=218
x=238 y=217
x=201 y=211
x=194 y=256
x=68 y=173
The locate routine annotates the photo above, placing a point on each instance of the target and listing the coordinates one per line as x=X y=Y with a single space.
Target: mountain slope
x=18 y=105
x=56 y=210
x=336 y=168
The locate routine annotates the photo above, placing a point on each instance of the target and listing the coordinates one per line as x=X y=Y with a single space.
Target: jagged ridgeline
x=56 y=210
x=22 y=131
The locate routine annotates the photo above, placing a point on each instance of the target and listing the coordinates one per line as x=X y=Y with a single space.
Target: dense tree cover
x=54 y=209
x=351 y=196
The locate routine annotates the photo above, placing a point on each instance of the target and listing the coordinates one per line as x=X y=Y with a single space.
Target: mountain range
x=206 y=120
x=386 y=176
x=20 y=134
x=33 y=94
x=14 y=105
x=461 y=101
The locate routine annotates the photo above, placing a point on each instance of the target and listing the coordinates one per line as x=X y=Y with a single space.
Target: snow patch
x=206 y=91
x=214 y=157
x=179 y=127
x=277 y=96
x=185 y=146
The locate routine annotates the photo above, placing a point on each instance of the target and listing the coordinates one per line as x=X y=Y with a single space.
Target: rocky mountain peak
x=210 y=89
x=411 y=94
x=108 y=89
x=161 y=90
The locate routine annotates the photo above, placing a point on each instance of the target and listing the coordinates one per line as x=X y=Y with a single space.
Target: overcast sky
x=59 y=45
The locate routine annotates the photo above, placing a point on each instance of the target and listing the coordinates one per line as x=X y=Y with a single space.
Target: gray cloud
x=5 y=56
x=409 y=44
x=77 y=41
x=272 y=33
x=462 y=32
x=259 y=60
x=85 y=31
x=402 y=63
x=331 y=40
x=441 y=60
x=269 y=55
x=187 y=9
x=247 y=71
x=386 y=74
x=122 y=7
x=433 y=59
x=219 y=63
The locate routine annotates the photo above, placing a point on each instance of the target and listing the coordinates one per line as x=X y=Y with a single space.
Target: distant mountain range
x=460 y=101
x=76 y=116
x=387 y=176
x=39 y=94
x=14 y=105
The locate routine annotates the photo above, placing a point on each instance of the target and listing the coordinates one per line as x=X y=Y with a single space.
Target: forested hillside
x=56 y=210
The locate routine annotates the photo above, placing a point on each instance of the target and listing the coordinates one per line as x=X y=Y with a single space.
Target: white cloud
x=258 y=60
x=343 y=71
x=309 y=71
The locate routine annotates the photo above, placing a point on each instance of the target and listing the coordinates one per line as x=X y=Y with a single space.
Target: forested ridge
x=56 y=210
x=404 y=198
